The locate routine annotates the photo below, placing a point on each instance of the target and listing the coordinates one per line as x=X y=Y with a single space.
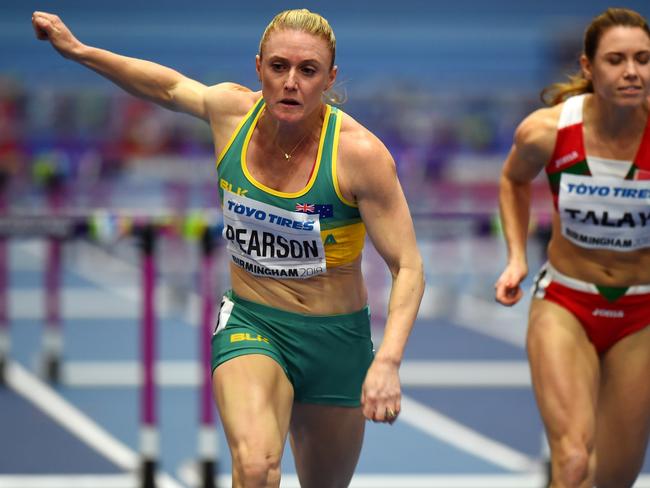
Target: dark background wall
x=470 y=44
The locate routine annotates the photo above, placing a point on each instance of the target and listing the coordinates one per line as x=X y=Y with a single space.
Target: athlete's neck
x=287 y=135
x=610 y=121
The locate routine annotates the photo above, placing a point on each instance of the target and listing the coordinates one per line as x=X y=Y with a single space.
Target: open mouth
x=289 y=101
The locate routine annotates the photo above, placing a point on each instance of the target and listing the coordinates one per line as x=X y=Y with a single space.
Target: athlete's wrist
x=388 y=359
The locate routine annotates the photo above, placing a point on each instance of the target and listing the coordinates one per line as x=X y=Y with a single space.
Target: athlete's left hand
x=507 y=289
x=381 y=392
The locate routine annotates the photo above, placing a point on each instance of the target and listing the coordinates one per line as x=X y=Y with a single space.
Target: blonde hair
x=577 y=84
x=305 y=21
x=311 y=23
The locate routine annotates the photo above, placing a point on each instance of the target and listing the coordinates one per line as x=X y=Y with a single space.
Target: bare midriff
x=340 y=290
x=600 y=267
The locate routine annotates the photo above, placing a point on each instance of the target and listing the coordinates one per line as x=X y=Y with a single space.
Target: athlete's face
x=294 y=68
x=620 y=70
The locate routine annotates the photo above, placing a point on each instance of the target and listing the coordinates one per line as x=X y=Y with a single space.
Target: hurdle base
x=52 y=368
x=209 y=472
x=148 y=474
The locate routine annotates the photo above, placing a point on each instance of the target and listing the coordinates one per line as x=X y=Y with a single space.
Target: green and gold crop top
x=287 y=235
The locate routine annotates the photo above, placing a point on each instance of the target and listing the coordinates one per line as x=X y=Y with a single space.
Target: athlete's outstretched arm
x=141 y=78
x=374 y=184
x=525 y=160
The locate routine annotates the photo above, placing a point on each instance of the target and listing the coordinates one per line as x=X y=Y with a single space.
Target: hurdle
x=53 y=333
x=145 y=229
x=51 y=173
x=208 y=443
x=55 y=228
x=5 y=338
x=149 y=436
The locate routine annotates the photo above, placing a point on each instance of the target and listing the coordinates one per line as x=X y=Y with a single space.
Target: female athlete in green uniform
x=301 y=182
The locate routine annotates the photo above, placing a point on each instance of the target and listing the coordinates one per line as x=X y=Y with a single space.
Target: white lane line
x=78 y=303
x=448 y=481
x=96 y=374
x=82 y=481
x=489 y=318
x=425 y=481
x=291 y=481
x=68 y=416
x=190 y=476
x=460 y=436
x=68 y=481
x=464 y=374
x=75 y=421
x=429 y=374
x=533 y=480
x=107 y=302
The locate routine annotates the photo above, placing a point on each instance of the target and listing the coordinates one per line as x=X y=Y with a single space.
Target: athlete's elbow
x=413 y=267
x=421 y=279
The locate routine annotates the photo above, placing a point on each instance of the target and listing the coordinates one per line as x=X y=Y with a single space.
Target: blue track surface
x=34 y=444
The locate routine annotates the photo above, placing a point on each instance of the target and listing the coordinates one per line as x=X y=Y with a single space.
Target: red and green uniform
x=603 y=204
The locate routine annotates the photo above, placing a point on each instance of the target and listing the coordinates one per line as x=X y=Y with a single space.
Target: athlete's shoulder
x=359 y=144
x=536 y=134
x=539 y=124
x=230 y=99
x=365 y=164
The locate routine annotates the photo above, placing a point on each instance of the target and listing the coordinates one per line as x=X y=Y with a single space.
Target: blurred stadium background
x=442 y=83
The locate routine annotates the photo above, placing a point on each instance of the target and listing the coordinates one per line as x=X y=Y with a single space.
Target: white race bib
x=605 y=212
x=272 y=242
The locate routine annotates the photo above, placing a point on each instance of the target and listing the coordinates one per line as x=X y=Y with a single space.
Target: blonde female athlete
x=301 y=182
x=588 y=336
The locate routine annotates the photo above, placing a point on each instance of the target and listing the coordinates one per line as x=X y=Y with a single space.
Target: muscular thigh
x=254 y=398
x=624 y=408
x=565 y=371
x=326 y=442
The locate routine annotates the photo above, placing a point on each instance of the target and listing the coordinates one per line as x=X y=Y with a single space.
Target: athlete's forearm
x=141 y=78
x=406 y=294
x=514 y=208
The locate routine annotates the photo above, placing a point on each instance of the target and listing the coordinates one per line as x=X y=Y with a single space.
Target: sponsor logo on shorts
x=612 y=314
x=245 y=336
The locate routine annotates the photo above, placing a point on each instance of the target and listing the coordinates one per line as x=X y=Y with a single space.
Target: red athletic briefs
x=605 y=321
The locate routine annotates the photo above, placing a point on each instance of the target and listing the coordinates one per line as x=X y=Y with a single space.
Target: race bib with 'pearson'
x=604 y=212
x=272 y=242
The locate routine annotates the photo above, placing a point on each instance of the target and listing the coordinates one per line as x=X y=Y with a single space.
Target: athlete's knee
x=260 y=472
x=572 y=463
x=257 y=467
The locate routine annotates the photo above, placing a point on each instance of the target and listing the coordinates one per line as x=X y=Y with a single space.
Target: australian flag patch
x=323 y=211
